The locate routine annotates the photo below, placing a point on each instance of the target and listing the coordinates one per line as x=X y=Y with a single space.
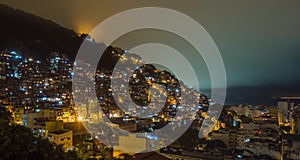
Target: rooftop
x=60 y=131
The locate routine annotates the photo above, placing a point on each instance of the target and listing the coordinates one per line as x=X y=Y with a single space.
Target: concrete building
x=241 y=110
x=290 y=146
x=37 y=121
x=44 y=124
x=220 y=135
x=62 y=137
x=18 y=114
x=283 y=112
x=131 y=144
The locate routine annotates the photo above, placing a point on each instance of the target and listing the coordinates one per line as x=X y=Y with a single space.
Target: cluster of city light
x=37 y=84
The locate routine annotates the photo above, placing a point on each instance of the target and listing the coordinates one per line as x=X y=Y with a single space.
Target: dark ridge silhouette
x=35 y=36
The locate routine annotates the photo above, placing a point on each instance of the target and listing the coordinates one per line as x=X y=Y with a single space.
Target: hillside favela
x=140 y=111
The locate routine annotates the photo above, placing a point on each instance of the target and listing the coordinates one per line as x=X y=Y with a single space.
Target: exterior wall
x=131 y=145
x=65 y=139
x=18 y=114
x=223 y=136
x=37 y=121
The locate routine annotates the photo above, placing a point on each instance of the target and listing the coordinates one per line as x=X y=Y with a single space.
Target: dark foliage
x=18 y=143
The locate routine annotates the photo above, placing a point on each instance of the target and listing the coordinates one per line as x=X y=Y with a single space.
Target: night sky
x=258 y=40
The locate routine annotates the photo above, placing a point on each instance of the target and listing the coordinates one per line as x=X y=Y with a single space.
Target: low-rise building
x=62 y=137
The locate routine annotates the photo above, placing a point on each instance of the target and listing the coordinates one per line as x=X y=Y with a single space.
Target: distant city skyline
x=119 y=80
x=259 y=41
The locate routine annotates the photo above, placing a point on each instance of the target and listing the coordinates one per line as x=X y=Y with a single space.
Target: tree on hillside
x=18 y=143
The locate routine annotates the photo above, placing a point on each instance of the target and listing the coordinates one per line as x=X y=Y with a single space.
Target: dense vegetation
x=18 y=143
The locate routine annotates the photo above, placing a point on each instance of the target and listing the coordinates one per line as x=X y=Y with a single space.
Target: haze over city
x=259 y=42
x=145 y=80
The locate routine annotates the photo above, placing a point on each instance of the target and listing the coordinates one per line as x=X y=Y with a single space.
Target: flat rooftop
x=60 y=131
